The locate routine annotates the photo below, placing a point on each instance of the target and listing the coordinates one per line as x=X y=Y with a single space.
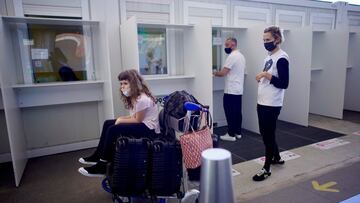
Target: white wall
x=12 y=112
x=155 y=11
x=106 y=46
x=194 y=12
x=52 y=8
x=297 y=44
x=44 y=126
x=251 y=45
x=109 y=49
x=3 y=10
x=352 y=96
x=328 y=84
x=197 y=63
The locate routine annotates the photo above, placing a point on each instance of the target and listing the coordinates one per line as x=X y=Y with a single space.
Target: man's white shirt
x=234 y=80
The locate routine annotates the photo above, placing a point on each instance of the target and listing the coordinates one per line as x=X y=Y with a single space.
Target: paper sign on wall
x=328 y=144
x=217 y=41
x=28 y=42
x=285 y=155
x=39 y=54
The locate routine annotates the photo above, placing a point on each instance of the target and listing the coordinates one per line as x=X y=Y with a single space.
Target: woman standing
x=273 y=81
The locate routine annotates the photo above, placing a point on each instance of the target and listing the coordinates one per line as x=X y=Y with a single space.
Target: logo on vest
x=268 y=65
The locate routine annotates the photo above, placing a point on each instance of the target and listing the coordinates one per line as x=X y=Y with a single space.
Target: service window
x=54 y=53
x=57 y=53
x=152 y=51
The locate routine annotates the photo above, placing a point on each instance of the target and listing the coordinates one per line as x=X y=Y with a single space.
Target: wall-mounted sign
x=39 y=54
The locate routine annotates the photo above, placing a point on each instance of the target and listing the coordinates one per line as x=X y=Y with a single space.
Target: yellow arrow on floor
x=324 y=187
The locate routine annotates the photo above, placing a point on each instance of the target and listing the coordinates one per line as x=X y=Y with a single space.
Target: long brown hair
x=137 y=86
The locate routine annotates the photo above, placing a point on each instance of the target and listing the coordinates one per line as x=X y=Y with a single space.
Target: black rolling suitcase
x=128 y=173
x=166 y=168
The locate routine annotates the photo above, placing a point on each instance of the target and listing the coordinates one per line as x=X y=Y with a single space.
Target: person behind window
x=142 y=121
x=234 y=70
x=272 y=82
x=67 y=74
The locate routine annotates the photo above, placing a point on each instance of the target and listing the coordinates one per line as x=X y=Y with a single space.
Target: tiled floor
x=305 y=192
x=288 y=136
x=348 y=125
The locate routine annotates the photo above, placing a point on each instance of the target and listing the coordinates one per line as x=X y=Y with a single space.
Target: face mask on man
x=228 y=50
x=269 y=46
x=126 y=92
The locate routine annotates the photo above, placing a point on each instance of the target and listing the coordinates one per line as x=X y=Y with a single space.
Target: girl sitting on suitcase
x=142 y=121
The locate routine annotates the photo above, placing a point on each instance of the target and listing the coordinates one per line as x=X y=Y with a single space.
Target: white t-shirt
x=151 y=118
x=268 y=94
x=234 y=80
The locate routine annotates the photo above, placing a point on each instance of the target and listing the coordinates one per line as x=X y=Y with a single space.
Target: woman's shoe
x=97 y=170
x=91 y=160
x=279 y=161
x=262 y=175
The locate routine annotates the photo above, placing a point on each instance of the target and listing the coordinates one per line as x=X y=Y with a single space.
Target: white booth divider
x=352 y=96
x=107 y=53
x=251 y=45
x=329 y=61
x=297 y=45
x=197 y=61
x=129 y=44
x=197 y=77
x=12 y=111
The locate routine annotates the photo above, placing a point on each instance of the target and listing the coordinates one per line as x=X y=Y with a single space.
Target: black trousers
x=268 y=116
x=232 y=107
x=111 y=132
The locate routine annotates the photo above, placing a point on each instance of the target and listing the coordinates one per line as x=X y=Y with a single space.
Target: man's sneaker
x=227 y=137
x=91 y=160
x=262 y=175
x=279 y=161
x=97 y=170
x=238 y=136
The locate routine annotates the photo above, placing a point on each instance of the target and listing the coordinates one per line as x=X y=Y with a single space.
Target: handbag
x=194 y=143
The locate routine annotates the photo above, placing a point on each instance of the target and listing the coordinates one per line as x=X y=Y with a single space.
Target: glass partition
x=152 y=51
x=54 y=53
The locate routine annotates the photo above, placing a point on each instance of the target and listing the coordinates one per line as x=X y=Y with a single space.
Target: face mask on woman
x=126 y=92
x=269 y=46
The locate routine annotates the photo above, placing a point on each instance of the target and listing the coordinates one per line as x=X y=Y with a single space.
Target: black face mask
x=228 y=50
x=269 y=46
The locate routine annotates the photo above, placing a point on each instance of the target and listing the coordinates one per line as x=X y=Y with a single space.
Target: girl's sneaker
x=91 y=160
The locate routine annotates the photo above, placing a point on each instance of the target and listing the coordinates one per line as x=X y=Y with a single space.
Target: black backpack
x=174 y=110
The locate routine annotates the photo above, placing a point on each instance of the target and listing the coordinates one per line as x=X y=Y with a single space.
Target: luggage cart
x=186 y=195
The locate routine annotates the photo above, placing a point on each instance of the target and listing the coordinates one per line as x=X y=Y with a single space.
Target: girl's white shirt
x=151 y=118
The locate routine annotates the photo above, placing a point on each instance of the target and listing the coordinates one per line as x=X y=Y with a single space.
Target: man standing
x=233 y=71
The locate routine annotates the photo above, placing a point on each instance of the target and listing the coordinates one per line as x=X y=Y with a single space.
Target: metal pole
x=216 y=184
